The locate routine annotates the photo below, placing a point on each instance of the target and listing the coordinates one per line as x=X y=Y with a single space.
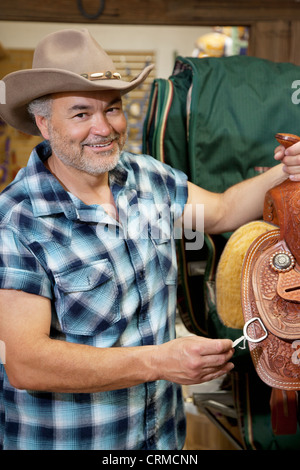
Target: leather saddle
x=270 y=295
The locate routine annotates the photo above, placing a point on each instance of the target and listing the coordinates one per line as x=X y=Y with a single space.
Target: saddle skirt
x=271 y=291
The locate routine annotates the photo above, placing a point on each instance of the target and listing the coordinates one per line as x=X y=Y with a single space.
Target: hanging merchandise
x=223 y=41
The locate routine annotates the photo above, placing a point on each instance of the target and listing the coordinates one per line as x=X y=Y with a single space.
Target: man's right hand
x=194 y=360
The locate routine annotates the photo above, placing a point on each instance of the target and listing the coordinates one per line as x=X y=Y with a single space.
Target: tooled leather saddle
x=271 y=302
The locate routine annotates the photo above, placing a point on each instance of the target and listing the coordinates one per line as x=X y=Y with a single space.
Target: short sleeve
x=180 y=193
x=19 y=267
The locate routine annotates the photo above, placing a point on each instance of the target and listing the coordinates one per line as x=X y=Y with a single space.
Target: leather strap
x=284 y=405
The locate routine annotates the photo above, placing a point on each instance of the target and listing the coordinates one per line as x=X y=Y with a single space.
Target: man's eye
x=114 y=109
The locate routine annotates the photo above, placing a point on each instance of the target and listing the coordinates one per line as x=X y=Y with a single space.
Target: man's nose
x=101 y=125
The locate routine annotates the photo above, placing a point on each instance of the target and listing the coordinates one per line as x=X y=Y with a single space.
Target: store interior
x=213 y=422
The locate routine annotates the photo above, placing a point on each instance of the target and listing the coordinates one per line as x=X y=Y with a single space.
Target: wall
x=166 y=41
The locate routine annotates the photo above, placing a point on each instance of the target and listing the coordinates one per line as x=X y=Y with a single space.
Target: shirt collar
x=47 y=194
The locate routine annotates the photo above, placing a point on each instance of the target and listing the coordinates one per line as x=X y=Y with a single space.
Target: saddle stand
x=271 y=304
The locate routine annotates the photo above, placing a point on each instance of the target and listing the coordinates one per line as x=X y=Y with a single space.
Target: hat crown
x=71 y=50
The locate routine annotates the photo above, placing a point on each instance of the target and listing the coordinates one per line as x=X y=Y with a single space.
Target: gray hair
x=41 y=107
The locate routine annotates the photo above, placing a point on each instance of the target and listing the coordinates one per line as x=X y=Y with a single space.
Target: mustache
x=100 y=140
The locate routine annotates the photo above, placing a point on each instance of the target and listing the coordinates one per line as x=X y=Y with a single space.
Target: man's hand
x=290 y=157
x=193 y=359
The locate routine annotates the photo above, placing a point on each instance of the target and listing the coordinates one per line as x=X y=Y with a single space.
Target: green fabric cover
x=237 y=106
x=216 y=120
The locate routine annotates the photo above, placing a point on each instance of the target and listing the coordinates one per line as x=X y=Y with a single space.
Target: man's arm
x=34 y=361
x=238 y=205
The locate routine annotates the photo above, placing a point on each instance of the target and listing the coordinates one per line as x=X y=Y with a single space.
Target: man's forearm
x=238 y=205
x=59 y=366
x=63 y=367
x=244 y=201
x=35 y=361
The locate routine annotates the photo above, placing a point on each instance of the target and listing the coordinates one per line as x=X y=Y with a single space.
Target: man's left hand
x=290 y=157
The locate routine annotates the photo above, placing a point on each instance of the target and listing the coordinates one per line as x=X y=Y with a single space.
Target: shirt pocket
x=166 y=253
x=87 y=299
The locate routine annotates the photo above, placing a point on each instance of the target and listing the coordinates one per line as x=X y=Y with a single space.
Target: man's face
x=87 y=131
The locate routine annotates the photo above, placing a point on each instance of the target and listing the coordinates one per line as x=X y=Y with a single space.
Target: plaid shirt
x=111 y=284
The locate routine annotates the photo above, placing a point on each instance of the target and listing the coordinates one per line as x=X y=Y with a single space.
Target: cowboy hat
x=64 y=61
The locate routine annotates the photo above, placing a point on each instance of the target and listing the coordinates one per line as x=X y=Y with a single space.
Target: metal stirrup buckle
x=257 y=340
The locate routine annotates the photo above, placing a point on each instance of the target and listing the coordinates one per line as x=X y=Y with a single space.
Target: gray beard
x=106 y=162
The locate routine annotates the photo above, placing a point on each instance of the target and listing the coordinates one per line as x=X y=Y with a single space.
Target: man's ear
x=42 y=124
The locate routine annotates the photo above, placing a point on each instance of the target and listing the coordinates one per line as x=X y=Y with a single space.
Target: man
x=87 y=301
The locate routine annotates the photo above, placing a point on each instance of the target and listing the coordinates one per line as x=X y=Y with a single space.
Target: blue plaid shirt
x=111 y=284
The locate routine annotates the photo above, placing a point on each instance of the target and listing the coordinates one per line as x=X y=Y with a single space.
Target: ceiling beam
x=152 y=12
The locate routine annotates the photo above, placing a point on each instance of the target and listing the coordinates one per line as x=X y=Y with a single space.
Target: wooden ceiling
x=152 y=12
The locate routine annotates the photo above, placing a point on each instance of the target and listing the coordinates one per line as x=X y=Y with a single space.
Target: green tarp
x=216 y=119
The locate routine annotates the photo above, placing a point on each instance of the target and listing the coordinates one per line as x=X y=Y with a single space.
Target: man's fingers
x=214 y=373
x=214 y=346
x=293 y=149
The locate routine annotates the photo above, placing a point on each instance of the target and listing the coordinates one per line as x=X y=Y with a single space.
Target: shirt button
x=141 y=275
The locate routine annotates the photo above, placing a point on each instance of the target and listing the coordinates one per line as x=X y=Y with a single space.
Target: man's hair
x=41 y=107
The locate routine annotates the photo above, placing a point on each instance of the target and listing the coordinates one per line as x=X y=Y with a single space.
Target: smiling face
x=86 y=131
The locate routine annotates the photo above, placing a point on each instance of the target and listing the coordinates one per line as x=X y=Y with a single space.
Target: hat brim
x=24 y=86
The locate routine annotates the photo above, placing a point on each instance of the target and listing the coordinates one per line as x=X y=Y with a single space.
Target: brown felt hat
x=64 y=61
